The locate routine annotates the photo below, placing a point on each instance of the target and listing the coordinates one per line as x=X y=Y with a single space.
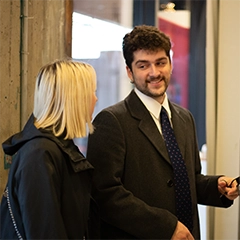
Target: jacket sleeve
x=208 y=193
x=118 y=206
x=36 y=184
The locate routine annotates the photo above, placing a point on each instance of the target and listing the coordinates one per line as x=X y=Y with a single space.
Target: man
x=134 y=183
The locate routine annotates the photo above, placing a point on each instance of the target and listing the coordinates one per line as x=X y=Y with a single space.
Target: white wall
x=223 y=106
x=228 y=131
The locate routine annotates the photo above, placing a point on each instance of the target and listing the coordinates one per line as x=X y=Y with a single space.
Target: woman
x=48 y=191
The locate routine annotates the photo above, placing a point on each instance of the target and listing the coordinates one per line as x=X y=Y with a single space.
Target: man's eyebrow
x=162 y=58
x=146 y=61
x=141 y=61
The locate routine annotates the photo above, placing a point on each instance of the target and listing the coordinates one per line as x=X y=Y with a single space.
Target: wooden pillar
x=44 y=27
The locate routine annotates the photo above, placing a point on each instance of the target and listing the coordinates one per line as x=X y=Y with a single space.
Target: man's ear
x=129 y=73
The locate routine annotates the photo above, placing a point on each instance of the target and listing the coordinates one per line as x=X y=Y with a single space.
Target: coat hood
x=29 y=132
x=16 y=141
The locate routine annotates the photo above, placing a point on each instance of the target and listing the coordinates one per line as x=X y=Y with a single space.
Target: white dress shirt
x=154 y=107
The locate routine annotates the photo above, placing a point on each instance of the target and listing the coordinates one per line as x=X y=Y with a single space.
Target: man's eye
x=142 y=66
x=161 y=63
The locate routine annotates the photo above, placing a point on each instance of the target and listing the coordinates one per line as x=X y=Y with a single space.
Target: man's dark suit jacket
x=133 y=177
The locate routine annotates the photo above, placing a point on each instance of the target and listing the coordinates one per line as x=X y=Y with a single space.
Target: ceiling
x=102 y=9
x=111 y=9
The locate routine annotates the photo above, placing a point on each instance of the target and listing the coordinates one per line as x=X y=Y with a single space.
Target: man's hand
x=228 y=186
x=181 y=233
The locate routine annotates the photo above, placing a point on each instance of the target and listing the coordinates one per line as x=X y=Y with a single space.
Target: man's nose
x=154 y=71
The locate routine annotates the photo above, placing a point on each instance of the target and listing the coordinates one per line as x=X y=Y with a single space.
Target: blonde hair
x=63 y=98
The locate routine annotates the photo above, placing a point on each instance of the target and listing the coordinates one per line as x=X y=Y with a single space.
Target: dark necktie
x=181 y=180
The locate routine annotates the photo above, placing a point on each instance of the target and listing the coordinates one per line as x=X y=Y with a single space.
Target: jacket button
x=170 y=183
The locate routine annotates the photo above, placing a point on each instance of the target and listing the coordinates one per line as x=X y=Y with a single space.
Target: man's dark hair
x=147 y=38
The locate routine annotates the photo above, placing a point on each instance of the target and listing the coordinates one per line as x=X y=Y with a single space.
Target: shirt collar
x=152 y=105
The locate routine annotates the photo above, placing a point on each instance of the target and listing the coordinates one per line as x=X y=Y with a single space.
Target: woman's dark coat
x=49 y=187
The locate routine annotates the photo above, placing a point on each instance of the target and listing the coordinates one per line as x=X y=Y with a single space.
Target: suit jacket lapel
x=146 y=124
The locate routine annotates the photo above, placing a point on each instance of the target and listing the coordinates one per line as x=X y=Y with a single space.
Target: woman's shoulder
x=38 y=153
